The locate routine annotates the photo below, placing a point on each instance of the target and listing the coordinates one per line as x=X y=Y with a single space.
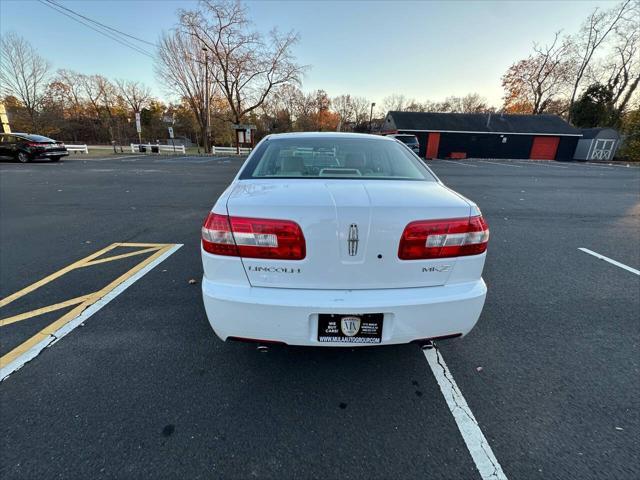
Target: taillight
x=35 y=144
x=253 y=237
x=455 y=237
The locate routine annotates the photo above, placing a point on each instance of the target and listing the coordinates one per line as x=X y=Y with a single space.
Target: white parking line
x=611 y=261
x=76 y=158
x=477 y=444
x=501 y=164
x=586 y=164
x=459 y=163
x=33 y=352
x=186 y=160
x=610 y=165
x=540 y=164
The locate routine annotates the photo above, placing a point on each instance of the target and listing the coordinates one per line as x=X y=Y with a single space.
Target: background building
x=597 y=144
x=477 y=135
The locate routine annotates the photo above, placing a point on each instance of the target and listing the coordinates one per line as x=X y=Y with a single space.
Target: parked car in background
x=410 y=141
x=25 y=147
x=336 y=239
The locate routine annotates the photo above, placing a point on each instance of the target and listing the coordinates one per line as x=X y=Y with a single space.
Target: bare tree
x=23 y=74
x=343 y=106
x=181 y=67
x=103 y=98
x=246 y=67
x=413 y=106
x=361 y=106
x=620 y=70
x=532 y=84
x=473 y=103
x=287 y=98
x=394 y=103
x=592 y=35
x=72 y=82
x=136 y=94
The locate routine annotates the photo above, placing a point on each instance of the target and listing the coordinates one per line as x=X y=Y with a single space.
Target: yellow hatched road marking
x=146 y=245
x=80 y=263
x=118 y=257
x=86 y=300
x=43 y=310
x=53 y=276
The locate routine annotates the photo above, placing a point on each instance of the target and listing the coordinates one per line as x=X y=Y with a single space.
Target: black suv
x=25 y=147
x=410 y=141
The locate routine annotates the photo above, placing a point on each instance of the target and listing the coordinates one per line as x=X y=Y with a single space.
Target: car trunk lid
x=352 y=230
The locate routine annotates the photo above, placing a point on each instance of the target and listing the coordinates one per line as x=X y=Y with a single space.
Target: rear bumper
x=47 y=154
x=291 y=315
x=51 y=154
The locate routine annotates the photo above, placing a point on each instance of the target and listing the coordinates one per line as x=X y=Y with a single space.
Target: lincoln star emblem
x=353 y=240
x=350 y=325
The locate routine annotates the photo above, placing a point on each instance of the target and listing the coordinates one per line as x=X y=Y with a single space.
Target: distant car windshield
x=334 y=157
x=407 y=138
x=38 y=138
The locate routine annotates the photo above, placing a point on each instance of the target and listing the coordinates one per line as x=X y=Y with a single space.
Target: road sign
x=138 y=125
x=5 y=121
x=242 y=126
x=170 y=132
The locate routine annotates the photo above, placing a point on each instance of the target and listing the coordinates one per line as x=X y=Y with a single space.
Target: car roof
x=275 y=136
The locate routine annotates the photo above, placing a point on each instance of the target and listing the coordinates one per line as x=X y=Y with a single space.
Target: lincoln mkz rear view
x=341 y=240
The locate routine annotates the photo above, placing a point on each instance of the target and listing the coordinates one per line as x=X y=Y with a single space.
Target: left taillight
x=253 y=237
x=456 y=237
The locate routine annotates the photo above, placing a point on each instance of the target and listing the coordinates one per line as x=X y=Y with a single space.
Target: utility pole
x=373 y=104
x=206 y=97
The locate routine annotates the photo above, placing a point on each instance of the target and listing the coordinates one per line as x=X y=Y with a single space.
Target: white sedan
x=334 y=239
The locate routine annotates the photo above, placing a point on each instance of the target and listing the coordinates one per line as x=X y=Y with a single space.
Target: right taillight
x=253 y=237
x=456 y=237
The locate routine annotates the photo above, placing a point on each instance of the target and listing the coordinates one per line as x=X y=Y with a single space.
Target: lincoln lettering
x=253 y=268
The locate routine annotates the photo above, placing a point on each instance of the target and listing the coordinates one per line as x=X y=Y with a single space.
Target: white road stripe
x=501 y=164
x=611 y=261
x=33 y=352
x=479 y=448
x=460 y=163
x=610 y=165
x=77 y=158
x=541 y=164
x=586 y=164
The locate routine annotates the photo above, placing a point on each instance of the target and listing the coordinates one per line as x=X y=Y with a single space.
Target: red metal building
x=475 y=135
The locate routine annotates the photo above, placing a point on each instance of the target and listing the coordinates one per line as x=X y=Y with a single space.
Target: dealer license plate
x=357 y=328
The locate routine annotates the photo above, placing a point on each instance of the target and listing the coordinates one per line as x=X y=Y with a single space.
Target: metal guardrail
x=156 y=148
x=77 y=148
x=230 y=150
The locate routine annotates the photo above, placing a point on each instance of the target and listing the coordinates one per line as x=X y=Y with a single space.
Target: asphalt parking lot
x=143 y=388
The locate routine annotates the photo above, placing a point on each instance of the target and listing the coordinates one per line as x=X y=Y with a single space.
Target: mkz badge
x=350 y=325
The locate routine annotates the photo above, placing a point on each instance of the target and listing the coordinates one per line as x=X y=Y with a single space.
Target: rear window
x=334 y=157
x=38 y=138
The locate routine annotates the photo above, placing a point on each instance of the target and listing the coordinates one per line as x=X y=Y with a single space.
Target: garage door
x=433 y=143
x=544 y=148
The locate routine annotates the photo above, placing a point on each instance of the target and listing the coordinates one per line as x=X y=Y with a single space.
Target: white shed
x=597 y=144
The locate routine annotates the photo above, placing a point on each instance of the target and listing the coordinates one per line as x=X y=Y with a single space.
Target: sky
x=421 y=49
